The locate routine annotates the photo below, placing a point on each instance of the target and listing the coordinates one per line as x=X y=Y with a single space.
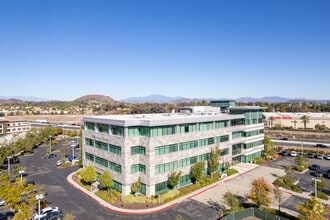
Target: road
x=70 y=200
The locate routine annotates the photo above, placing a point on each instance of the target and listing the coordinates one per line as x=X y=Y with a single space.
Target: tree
x=88 y=174
x=260 y=192
x=214 y=160
x=136 y=186
x=313 y=209
x=106 y=180
x=305 y=120
x=231 y=201
x=279 y=198
x=295 y=124
x=268 y=145
x=271 y=120
x=288 y=170
x=197 y=170
x=174 y=179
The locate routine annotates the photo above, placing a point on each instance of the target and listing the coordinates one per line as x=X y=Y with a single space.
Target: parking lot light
x=39 y=197
x=21 y=172
x=316 y=180
x=8 y=158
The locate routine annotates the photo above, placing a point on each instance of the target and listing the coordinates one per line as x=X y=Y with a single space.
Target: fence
x=242 y=214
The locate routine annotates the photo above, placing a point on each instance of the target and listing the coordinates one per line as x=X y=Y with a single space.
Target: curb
x=154 y=209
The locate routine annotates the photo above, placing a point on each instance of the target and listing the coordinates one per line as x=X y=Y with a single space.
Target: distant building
x=153 y=145
x=13 y=127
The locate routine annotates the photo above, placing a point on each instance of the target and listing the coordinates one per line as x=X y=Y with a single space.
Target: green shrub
x=169 y=195
x=115 y=193
x=259 y=160
x=296 y=188
x=321 y=195
x=231 y=172
x=128 y=199
x=103 y=195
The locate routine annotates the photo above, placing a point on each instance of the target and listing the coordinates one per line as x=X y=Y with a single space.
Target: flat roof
x=160 y=119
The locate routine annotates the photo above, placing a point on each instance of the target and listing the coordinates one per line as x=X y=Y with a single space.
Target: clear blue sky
x=64 y=49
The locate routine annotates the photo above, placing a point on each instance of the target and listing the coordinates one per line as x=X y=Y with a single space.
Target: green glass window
x=101 y=145
x=221 y=124
x=117 y=186
x=115 y=149
x=206 y=141
x=166 y=149
x=162 y=131
x=115 y=167
x=161 y=168
x=236 y=149
x=224 y=152
x=143 y=189
x=138 y=168
x=253 y=144
x=138 y=150
x=103 y=128
x=237 y=122
x=161 y=187
x=187 y=128
x=89 y=142
x=101 y=161
x=204 y=157
x=222 y=138
x=117 y=130
x=188 y=145
x=89 y=156
x=185 y=180
x=205 y=126
x=188 y=161
x=237 y=134
x=89 y=126
x=136 y=131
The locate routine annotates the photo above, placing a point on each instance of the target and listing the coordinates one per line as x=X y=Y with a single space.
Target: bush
x=169 y=195
x=115 y=193
x=103 y=195
x=296 y=188
x=259 y=160
x=285 y=182
x=231 y=172
x=321 y=195
x=128 y=199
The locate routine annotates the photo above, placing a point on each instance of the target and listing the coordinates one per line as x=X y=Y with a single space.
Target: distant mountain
x=273 y=99
x=152 y=98
x=95 y=98
x=24 y=98
x=165 y=99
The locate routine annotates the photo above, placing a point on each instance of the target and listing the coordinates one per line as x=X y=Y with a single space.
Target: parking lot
x=70 y=200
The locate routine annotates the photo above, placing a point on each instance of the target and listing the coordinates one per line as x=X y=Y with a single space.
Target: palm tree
x=271 y=119
x=295 y=124
x=305 y=120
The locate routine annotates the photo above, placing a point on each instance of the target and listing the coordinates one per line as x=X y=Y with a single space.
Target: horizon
x=62 y=50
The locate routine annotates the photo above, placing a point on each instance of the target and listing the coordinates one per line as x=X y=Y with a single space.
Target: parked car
x=2 y=202
x=310 y=155
x=314 y=167
x=327 y=156
x=319 y=173
x=12 y=160
x=321 y=145
x=51 y=155
x=284 y=139
x=327 y=174
x=59 y=163
x=6 y=215
x=319 y=156
x=74 y=145
x=284 y=153
x=71 y=158
x=47 y=213
x=293 y=153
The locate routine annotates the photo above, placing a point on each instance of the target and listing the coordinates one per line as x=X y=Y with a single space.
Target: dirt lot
x=62 y=119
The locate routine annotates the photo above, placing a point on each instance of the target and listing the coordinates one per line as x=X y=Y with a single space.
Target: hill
x=95 y=98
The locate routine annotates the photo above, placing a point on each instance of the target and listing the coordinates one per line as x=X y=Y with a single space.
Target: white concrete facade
x=155 y=167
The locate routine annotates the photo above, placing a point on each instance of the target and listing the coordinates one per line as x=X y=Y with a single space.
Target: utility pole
x=316 y=180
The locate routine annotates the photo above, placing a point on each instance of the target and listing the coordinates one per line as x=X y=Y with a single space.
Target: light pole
x=39 y=197
x=8 y=159
x=21 y=172
x=302 y=148
x=72 y=146
x=316 y=180
x=50 y=144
